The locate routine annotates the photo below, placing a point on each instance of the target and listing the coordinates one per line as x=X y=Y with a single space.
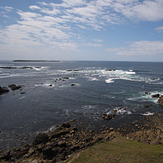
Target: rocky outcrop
x=3 y=90
x=114 y=112
x=14 y=87
x=156 y=96
x=72 y=84
x=160 y=100
x=14 y=67
x=72 y=70
x=56 y=145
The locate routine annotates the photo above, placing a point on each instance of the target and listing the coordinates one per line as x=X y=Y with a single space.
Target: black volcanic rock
x=156 y=96
x=14 y=87
x=3 y=90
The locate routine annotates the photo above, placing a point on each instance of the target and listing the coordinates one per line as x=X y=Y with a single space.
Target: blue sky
x=109 y=30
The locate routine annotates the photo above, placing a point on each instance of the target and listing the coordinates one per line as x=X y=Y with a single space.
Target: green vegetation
x=120 y=150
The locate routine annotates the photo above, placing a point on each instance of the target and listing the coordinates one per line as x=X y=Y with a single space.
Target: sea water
x=55 y=92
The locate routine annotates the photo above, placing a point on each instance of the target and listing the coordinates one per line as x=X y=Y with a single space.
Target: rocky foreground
x=61 y=142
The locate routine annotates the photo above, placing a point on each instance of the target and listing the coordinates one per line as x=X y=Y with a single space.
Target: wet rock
x=107 y=116
x=66 y=125
x=41 y=138
x=14 y=87
x=50 y=85
x=72 y=70
x=160 y=100
x=156 y=96
x=66 y=78
x=3 y=90
x=147 y=106
x=72 y=84
x=19 y=67
x=5 y=155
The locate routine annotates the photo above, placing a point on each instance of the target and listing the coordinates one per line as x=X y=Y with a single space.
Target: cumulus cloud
x=139 y=48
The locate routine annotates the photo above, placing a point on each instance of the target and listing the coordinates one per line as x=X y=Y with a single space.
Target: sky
x=100 y=30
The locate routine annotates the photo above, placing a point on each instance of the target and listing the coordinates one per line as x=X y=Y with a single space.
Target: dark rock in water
x=160 y=100
x=65 y=77
x=14 y=87
x=22 y=93
x=41 y=138
x=72 y=84
x=156 y=96
x=72 y=70
x=19 y=67
x=3 y=90
x=115 y=112
x=147 y=106
x=147 y=93
x=50 y=85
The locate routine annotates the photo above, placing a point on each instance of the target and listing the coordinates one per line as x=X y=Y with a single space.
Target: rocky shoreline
x=58 y=144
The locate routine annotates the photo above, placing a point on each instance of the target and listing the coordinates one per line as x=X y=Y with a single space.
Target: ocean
x=56 y=92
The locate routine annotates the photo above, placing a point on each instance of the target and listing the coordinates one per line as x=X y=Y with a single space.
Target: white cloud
x=140 y=48
x=56 y=25
x=7 y=8
x=34 y=7
x=159 y=29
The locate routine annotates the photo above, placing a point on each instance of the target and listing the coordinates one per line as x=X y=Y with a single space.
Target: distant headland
x=36 y=61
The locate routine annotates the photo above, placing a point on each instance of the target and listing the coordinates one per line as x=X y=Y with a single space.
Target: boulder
x=156 y=96
x=160 y=100
x=3 y=90
x=14 y=87
x=41 y=138
x=72 y=84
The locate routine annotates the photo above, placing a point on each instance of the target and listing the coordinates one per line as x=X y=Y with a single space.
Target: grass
x=120 y=150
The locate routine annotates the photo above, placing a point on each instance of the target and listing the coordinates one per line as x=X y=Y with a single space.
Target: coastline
x=36 y=61
x=60 y=143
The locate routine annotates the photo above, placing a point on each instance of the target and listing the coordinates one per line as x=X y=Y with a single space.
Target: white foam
x=38 y=68
x=48 y=85
x=148 y=114
x=109 y=80
x=92 y=79
x=111 y=75
x=146 y=97
x=119 y=111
